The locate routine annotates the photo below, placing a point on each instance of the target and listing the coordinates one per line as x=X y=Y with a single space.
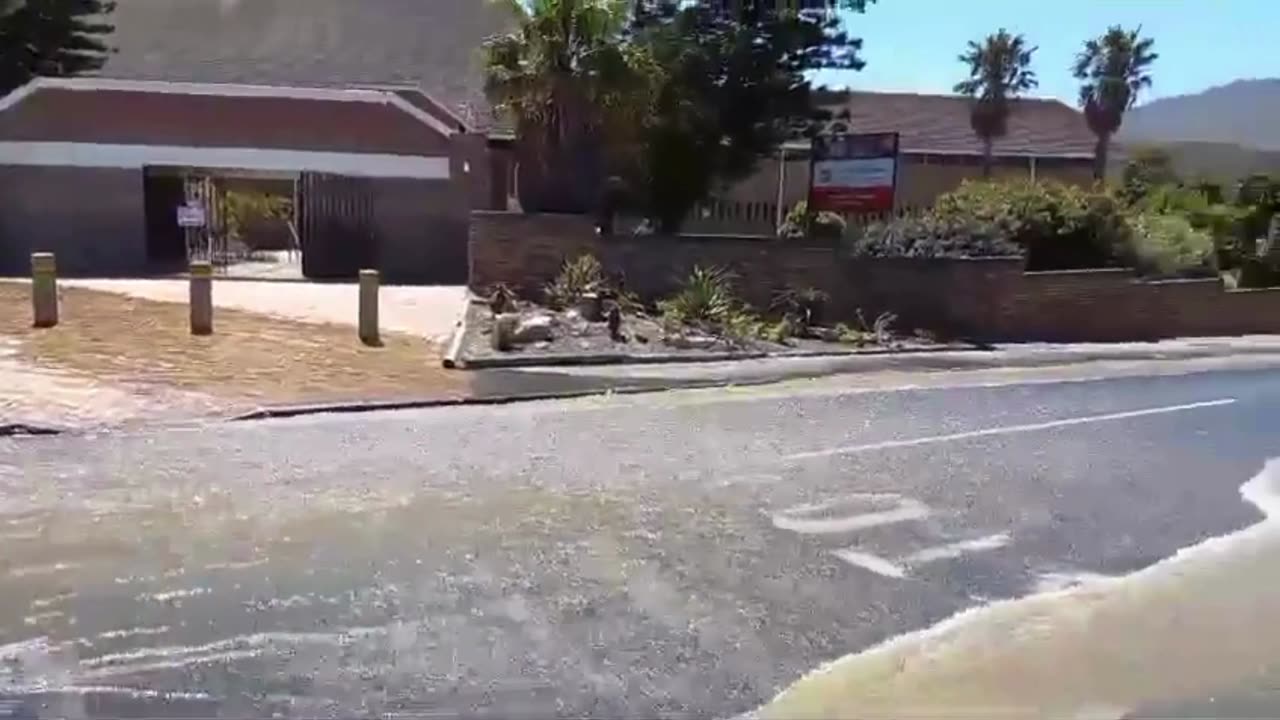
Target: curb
x=272 y=413
x=564 y=359
x=26 y=430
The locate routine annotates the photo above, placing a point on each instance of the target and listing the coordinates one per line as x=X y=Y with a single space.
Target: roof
x=428 y=44
x=939 y=124
x=103 y=111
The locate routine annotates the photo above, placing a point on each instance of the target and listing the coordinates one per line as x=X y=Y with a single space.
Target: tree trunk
x=987 y=149
x=1100 y=151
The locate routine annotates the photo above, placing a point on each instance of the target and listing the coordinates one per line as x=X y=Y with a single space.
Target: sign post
x=854 y=173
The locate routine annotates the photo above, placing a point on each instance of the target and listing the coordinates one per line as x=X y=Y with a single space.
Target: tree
x=731 y=85
x=52 y=38
x=999 y=72
x=1148 y=167
x=1113 y=68
x=567 y=79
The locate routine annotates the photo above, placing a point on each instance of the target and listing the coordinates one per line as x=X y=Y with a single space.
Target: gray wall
x=93 y=219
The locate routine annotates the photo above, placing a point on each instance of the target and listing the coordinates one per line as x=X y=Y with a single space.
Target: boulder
x=532 y=329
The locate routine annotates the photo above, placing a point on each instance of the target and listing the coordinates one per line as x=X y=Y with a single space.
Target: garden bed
x=643 y=339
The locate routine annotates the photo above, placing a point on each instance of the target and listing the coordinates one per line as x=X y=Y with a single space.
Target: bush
x=1225 y=224
x=800 y=224
x=1167 y=245
x=1057 y=226
x=577 y=278
x=927 y=236
x=705 y=297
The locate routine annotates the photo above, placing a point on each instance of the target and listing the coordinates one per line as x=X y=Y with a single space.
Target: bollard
x=201 y=298
x=44 y=290
x=369 y=282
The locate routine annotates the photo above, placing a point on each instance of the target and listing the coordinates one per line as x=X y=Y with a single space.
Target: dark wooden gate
x=334 y=216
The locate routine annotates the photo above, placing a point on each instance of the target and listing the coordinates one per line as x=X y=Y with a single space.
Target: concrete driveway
x=426 y=311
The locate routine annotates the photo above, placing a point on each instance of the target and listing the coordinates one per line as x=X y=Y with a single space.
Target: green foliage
x=577 y=277
x=1057 y=226
x=240 y=209
x=1224 y=224
x=573 y=87
x=52 y=38
x=1113 y=68
x=705 y=297
x=999 y=71
x=801 y=307
x=864 y=333
x=1147 y=168
x=1167 y=245
x=928 y=236
x=800 y=223
x=728 y=89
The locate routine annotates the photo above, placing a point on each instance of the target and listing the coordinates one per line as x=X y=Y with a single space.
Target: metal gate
x=334 y=216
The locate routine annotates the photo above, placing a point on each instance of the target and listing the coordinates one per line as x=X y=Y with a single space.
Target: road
x=678 y=554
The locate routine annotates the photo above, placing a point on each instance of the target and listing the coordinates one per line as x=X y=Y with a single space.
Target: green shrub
x=1057 y=226
x=927 y=236
x=1167 y=245
x=803 y=306
x=800 y=223
x=577 y=278
x=705 y=297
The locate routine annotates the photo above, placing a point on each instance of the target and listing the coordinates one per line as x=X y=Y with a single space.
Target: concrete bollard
x=201 y=298
x=369 y=285
x=44 y=290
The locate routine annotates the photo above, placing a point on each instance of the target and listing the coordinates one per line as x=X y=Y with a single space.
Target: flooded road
x=1195 y=632
x=685 y=555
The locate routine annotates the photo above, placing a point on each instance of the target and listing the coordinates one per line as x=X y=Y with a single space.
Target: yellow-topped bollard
x=44 y=290
x=370 y=282
x=201 y=298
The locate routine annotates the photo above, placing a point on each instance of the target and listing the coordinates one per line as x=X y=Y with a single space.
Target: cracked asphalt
x=685 y=554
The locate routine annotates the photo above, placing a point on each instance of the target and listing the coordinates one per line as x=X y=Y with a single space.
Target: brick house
x=1047 y=139
x=387 y=93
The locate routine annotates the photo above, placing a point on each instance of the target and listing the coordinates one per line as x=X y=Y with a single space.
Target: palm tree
x=561 y=76
x=999 y=71
x=1113 y=69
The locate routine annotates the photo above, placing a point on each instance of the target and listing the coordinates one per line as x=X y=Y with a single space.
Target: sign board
x=191 y=216
x=854 y=173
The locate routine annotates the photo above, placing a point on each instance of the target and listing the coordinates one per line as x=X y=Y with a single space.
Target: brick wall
x=992 y=299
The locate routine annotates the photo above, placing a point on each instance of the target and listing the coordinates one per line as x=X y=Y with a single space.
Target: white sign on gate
x=191 y=216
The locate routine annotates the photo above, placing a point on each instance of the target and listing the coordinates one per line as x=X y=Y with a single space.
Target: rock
x=536 y=328
x=691 y=341
x=826 y=334
x=504 y=330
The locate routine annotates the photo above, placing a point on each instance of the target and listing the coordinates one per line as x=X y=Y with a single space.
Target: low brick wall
x=990 y=299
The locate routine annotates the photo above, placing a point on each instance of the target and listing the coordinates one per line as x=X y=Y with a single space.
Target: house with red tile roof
x=938 y=150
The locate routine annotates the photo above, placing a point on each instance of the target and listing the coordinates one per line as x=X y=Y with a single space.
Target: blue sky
x=911 y=45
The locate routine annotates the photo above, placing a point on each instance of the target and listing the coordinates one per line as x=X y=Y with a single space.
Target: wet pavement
x=678 y=554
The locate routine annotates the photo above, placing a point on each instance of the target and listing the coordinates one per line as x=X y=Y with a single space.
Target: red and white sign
x=854 y=173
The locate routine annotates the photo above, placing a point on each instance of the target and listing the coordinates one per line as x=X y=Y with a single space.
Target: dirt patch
x=250 y=359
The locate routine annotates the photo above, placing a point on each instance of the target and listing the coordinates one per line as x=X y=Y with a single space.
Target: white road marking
x=1006 y=430
x=956 y=549
x=874 y=563
x=796 y=520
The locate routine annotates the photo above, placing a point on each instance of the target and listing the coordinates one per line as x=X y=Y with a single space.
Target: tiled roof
x=940 y=124
x=432 y=44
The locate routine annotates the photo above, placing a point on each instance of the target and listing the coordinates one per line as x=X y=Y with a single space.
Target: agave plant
x=706 y=296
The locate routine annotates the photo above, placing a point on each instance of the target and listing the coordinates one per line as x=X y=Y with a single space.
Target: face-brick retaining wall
x=991 y=299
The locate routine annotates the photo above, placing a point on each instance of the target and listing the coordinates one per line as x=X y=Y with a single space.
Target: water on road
x=1066 y=549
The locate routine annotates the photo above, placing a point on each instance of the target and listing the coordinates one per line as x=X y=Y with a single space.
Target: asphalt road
x=681 y=554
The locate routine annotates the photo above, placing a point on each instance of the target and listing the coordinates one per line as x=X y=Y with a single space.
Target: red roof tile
x=940 y=124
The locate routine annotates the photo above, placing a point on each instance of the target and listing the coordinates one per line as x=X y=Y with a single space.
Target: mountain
x=1222 y=162
x=1244 y=113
